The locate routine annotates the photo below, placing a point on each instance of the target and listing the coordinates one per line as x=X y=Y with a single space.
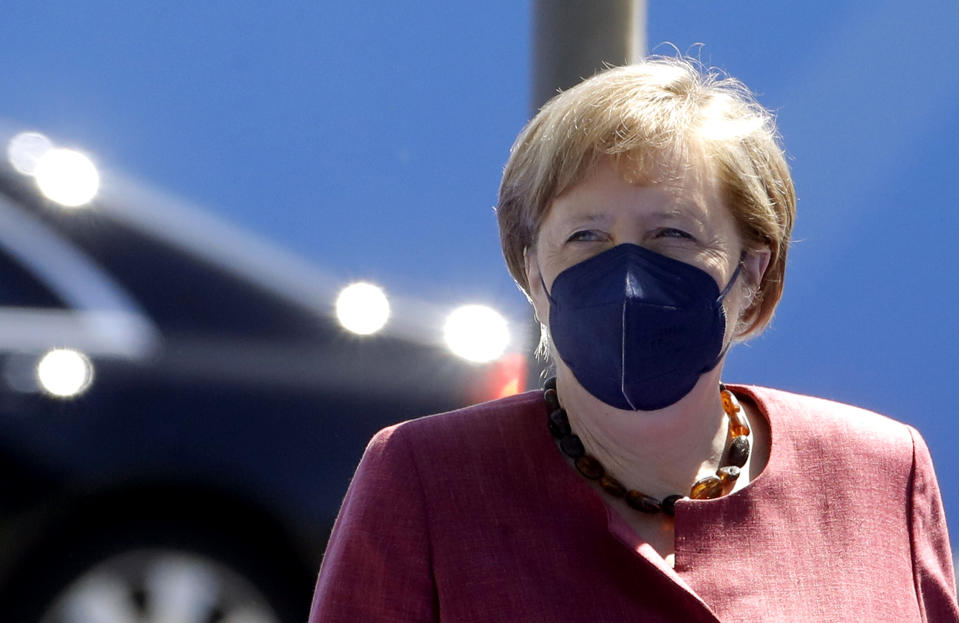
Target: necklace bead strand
x=712 y=486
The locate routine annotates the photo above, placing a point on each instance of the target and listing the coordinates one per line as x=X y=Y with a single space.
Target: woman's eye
x=585 y=235
x=672 y=232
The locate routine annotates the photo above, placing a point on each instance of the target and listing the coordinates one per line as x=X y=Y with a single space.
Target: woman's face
x=684 y=219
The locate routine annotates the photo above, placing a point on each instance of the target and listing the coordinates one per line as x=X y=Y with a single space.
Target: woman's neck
x=661 y=452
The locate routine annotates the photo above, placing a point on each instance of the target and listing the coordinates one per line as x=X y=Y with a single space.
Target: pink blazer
x=474 y=515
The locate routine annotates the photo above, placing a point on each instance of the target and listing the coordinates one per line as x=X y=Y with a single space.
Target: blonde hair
x=645 y=116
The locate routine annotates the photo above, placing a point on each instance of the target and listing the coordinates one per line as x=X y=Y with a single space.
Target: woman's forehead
x=682 y=167
x=683 y=183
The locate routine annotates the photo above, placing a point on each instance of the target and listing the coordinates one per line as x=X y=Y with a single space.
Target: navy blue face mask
x=636 y=328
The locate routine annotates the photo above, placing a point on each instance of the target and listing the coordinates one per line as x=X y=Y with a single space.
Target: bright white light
x=25 y=149
x=65 y=373
x=67 y=177
x=362 y=308
x=476 y=332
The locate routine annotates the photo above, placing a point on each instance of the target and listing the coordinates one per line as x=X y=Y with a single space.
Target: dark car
x=181 y=409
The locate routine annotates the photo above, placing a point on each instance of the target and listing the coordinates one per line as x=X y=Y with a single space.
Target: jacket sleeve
x=931 y=554
x=377 y=564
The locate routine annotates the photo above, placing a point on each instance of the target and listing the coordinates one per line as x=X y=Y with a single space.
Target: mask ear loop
x=732 y=280
x=719 y=301
x=549 y=296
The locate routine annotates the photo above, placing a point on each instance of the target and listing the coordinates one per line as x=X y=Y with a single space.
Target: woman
x=646 y=214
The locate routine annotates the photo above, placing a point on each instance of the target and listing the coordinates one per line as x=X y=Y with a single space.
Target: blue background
x=369 y=138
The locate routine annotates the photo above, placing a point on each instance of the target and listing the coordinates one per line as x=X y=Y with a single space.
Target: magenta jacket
x=475 y=516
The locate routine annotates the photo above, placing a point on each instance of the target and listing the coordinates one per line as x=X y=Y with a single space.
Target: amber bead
x=552 y=399
x=737 y=420
x=738 y=451
x=559 y=424
x=707 y=488
x=612 y=486
x=590 y=467
x=669 y=504
x=730 y=404
x=729 y=475
x=572 y=446
x=642 y=502
x=737 y=425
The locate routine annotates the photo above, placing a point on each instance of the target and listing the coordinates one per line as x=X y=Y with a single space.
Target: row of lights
x=69 y=178
x=476 y=333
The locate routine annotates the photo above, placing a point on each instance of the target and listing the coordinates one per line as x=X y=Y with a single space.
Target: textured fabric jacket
x=474 y=515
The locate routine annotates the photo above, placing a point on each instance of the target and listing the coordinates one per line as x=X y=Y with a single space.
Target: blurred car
x=180 y=407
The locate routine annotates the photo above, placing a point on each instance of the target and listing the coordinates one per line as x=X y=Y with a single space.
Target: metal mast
x=573 y=39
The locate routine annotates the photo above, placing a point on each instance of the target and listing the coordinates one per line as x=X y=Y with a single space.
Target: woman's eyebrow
x=591 y=217
x=684 y=211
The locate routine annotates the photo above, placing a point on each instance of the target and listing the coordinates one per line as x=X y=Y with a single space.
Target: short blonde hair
x=644 y=116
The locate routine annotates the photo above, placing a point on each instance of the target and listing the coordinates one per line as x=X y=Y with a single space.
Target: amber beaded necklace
x=707 y=488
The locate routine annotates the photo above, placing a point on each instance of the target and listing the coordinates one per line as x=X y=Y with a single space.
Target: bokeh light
x=25 y=150
x=476 y=333
x=362 y=308
x=64 y=373
x=67 y=177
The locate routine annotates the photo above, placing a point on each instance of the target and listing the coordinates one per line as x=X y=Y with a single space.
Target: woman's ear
x=755 y=263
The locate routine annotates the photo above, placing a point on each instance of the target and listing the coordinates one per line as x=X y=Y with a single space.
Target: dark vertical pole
x=573 y=39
